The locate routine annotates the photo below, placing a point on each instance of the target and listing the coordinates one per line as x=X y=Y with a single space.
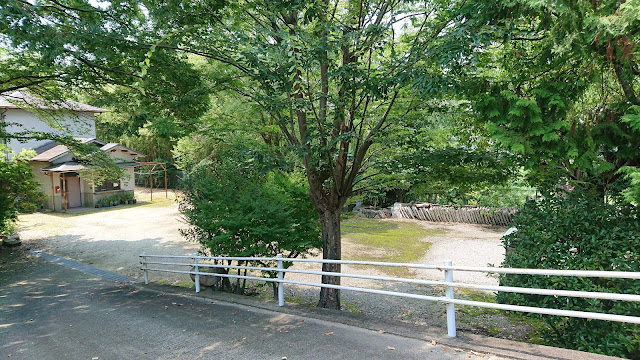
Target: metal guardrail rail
x=447 y=268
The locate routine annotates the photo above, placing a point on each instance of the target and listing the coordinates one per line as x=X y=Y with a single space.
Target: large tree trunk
x=330 y=222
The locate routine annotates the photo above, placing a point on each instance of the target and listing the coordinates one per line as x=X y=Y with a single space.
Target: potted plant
x=128 y=198
x=102 y=202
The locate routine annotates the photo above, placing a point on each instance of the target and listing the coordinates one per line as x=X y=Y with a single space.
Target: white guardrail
x=448 y=282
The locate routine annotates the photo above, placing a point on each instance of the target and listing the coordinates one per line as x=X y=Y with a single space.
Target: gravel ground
x=112 y=240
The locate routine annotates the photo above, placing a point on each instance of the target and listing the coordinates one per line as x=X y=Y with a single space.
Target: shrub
x=18 y=191
x=578 y=231
x=236 y=209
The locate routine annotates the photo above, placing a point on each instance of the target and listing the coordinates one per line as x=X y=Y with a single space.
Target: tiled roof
x=70 y=166
x=19 y=100
x=52 y=150
x=51 y=154
x=110 y=146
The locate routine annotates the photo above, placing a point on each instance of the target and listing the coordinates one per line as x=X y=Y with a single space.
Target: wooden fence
x=446 y=213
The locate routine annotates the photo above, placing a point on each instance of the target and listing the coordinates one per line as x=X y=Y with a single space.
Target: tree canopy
x=571 y=110
x=335 y=83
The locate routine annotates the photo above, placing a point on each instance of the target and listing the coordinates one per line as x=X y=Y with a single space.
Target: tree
x=18 y=189
x=174 y=100
x=434 y=154
x=570 y=111
x=331 y=75
x=235 y=208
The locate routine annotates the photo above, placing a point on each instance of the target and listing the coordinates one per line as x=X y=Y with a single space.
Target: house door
x=72 y=187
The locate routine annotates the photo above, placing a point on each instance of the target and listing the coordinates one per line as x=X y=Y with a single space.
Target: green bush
x=578 y=231
x=234 y=208
x=18 y=191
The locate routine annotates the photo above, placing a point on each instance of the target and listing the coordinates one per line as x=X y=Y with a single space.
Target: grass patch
x=388 y=241
x=351 y=308
x=399 y=241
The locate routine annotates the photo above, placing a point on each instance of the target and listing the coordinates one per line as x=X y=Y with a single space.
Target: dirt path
x=110 y=239
x=465 y=245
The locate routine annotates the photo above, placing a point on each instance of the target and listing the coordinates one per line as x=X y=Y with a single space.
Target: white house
x=21 y=112
x=54 y=165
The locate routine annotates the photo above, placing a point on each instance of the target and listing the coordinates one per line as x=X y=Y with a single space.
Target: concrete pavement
x=52 y=312
x=49 y=311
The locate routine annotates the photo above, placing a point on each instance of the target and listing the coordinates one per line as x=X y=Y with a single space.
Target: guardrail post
x=280 y=279
x=195 y=266
x=451 y=311
x=144 y=267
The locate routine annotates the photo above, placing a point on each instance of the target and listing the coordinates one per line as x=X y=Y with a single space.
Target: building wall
x=128 y=182
x=77 y=124
x=88 y=199
x=52 y=198
x=120 y=154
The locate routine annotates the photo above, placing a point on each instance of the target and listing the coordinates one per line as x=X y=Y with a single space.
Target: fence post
x=195 y=266
x=144 y=267
x=280 y=279
x=451 y=311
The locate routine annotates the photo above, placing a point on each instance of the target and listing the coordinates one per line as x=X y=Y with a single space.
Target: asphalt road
x=48 y=311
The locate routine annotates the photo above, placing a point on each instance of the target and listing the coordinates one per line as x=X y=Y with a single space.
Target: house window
x=108 y=185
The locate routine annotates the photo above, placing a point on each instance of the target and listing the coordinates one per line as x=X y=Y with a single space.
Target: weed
x=351 y=308
x=389 y=241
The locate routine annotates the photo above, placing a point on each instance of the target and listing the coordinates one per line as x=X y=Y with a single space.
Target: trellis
x=152 y=165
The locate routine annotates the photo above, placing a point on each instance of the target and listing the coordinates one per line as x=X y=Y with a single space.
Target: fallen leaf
x=244 y=338
x=10 y=355
x=235 y=312
x=166 y=308
x=458 y=350
x=213 y=302
x=381 y=331
x=446 y=348
x=390 y=348
x=329 y=333
x=95 y=358
x=433 y=342
x=198 y=333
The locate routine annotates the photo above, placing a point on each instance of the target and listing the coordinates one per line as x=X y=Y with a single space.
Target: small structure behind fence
x=195 y=265
x=469 y=214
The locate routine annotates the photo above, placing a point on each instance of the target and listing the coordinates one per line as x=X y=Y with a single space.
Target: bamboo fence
x=463 y=214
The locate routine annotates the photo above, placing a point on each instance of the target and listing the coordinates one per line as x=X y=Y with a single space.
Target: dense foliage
x=19 y=191
x=578 y=231
x=235 y=208
x=570 y=108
